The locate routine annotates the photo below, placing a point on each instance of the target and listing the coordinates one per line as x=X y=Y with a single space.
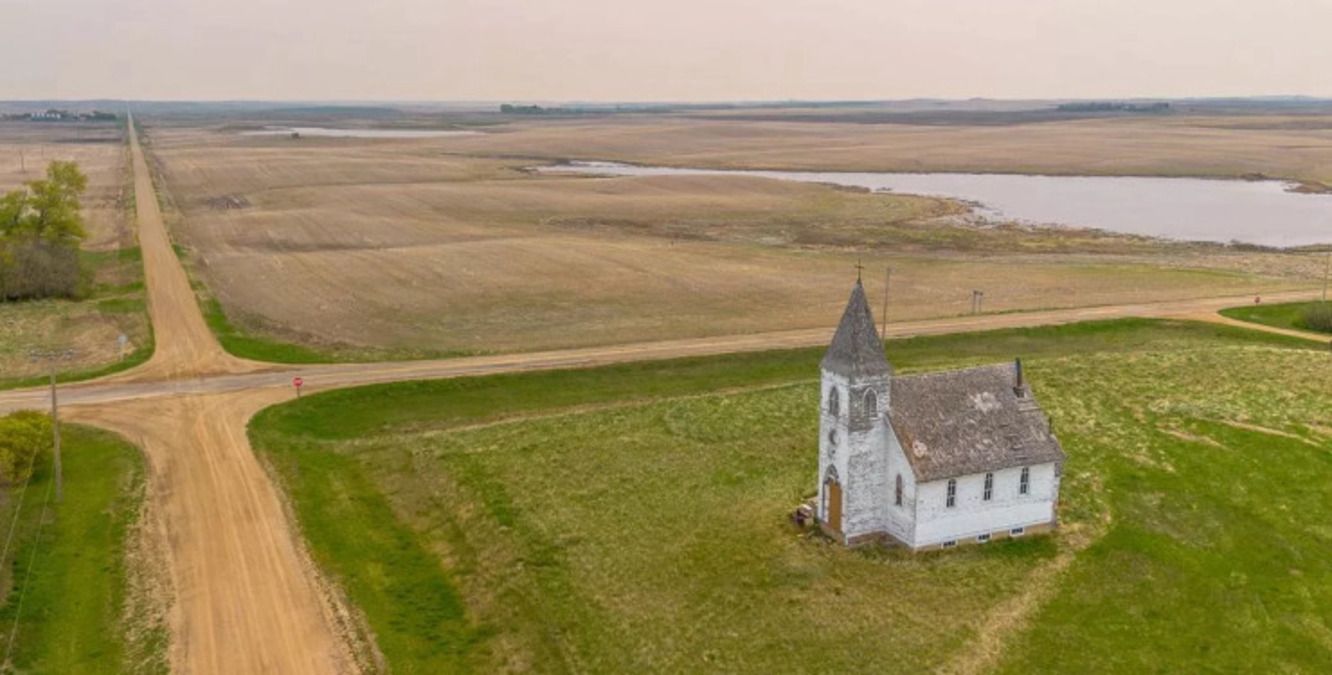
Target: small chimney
x=1020 y=385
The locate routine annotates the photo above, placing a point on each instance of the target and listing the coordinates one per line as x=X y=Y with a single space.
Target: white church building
x=933 y=460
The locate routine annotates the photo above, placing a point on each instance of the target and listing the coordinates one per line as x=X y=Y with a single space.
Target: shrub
x=1318 y=317
x=24 y=435
x=40 y=231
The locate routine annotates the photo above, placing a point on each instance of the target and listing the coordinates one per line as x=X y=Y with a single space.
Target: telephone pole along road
x=244 y=598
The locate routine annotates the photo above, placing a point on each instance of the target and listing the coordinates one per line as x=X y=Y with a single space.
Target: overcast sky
x=661 y=50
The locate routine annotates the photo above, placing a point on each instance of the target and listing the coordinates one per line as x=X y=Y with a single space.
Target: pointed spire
x=856 y=349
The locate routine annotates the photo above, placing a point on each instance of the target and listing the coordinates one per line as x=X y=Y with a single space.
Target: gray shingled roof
x=856 y=349
x=969 y=421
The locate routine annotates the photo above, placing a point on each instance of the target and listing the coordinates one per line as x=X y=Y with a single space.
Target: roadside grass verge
x=249 y=346
x=632 y=518
x=72 y=618
x=259 y=347
x=1282 y=315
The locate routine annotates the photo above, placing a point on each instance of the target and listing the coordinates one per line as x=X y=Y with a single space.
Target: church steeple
x=856 y=350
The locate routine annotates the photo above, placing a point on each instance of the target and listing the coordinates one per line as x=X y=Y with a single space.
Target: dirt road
x=245 y=598
x=185 y=347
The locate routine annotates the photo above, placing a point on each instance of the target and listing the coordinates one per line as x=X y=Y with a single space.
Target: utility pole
x=55 y=432
x=887 y=279
x=1327 y=271
x=53 y=358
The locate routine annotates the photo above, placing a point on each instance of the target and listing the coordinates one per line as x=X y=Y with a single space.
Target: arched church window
x=871 y=402
x=834 y=404
x=899 y=490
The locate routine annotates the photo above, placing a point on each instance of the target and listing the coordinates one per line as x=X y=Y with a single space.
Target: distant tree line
x=41 y=228
x=1113 y=106
x=510 y=109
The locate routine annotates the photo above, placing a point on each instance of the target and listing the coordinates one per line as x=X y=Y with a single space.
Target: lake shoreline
x=1249 y=211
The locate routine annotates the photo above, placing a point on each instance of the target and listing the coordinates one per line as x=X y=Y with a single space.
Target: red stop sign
x=297 y=381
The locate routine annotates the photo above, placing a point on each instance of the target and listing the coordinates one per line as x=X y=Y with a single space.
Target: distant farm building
x=56 y=115
x=933 y=460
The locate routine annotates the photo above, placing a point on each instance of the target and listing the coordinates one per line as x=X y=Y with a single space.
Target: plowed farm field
x=432 y=247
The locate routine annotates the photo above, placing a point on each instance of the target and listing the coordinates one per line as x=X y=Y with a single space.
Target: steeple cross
x=859 y=268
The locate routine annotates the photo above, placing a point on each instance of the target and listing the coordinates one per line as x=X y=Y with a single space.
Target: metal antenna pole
x=55 y=432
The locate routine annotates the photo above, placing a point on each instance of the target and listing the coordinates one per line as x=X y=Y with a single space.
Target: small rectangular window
x=1017 y=531
x=950 y=543
x=1024 y=482
x=983 y=538
x=952 y=493
x=989 y=486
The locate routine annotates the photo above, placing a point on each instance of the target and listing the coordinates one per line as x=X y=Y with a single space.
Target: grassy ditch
x=633 y=517
x=250 y=346
x=1283 y=315
x=65 y=580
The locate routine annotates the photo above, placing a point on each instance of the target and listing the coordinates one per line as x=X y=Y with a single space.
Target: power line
x=18 y=508
x=27 y=578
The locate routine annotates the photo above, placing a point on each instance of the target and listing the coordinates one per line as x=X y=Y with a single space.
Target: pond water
x=1255 y=212
x=328 y=132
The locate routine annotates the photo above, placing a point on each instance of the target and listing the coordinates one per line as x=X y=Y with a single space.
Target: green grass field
x=72 y=617
x=633 y=518
x=1284 y=315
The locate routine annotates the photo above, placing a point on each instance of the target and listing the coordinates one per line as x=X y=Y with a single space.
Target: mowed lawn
x=634 y=518
x=66 y=574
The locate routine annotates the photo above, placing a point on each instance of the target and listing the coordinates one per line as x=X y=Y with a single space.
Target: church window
x=871 y=402
x=950 y=543
x=983 y=538
x=952 y=493
x=989 y=486
x=899 y=490
x=1024 y=481
x=832 y=438
x=834 y=405
x=1017 y=531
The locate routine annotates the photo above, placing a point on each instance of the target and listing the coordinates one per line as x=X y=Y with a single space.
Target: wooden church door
x=833 y=490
